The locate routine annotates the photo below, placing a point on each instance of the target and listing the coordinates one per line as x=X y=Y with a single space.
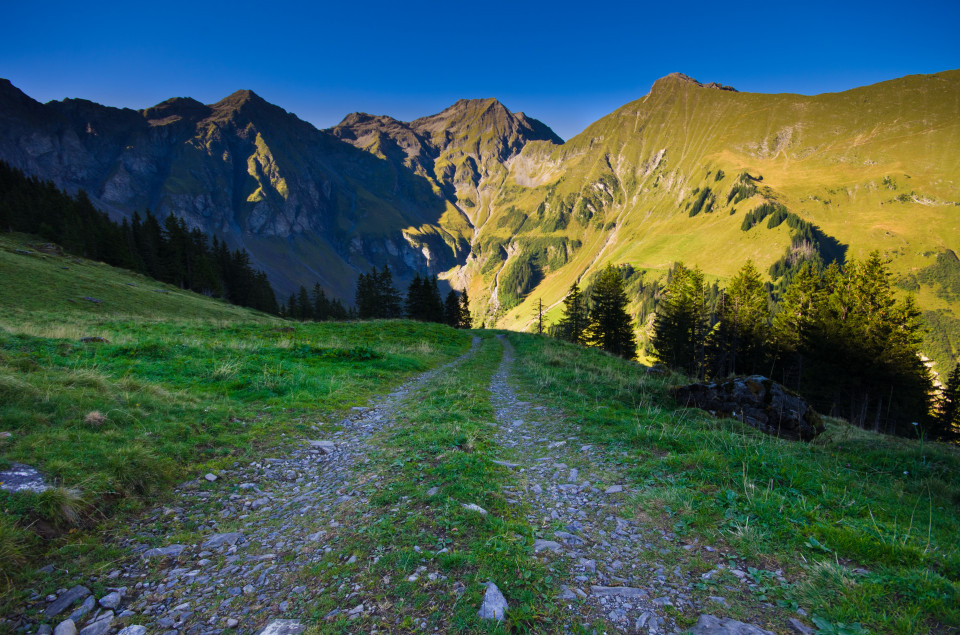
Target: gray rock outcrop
x=757 y=401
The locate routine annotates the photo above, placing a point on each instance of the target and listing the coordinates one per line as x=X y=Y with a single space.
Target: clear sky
x=565 y=64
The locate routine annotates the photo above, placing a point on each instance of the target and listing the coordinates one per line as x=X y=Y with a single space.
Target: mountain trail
x=624 y=572
x=226 y=554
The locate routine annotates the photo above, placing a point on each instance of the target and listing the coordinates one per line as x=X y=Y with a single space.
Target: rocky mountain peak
x=175 y=109
x=675 y=79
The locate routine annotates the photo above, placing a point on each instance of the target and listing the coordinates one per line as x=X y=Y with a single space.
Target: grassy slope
x=863 y=525
x=825 y=157
x=183 y=385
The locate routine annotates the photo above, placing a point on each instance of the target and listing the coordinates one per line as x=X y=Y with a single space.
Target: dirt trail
x=576 y=493
x=226 y=554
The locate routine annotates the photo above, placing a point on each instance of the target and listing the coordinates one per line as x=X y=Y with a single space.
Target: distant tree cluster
x=603 y=322
x=377 y=298
x=838 y=336
x=168 y=252
x=315 y=306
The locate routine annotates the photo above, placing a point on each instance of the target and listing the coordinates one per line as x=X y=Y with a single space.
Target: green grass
x=113 y=424
x=55 y=285
x=865 y=526
x=444 y=441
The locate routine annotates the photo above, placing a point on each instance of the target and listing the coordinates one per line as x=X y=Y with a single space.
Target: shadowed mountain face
x=307 y=205
x=495 y=202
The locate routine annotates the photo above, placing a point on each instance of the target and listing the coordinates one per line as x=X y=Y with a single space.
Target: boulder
x=757 y=401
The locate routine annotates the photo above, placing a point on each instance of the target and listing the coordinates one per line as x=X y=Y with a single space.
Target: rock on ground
x=711 y=625
x=283 y=627
x=66 y=600
x=494 y=605
x=757 y=401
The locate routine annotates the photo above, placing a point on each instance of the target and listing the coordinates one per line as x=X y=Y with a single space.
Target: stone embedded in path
x=66 y=600
x=613 y=489
x=135 y=629
x=800 y=627
x=101 y=627
x=433 y=491
x=711 y=625
x=540 y=545
x=506 y=464
x=327 y=447
x=494 y=605
x=66 y=627
x=210 y=477
x=283 y=627
x=111 y=600
x=218 y=540
x=170 y=551
x=618 y=591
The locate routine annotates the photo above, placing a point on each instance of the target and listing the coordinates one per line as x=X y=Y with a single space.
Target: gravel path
x=231 y=549
x=576 y=494
x=236 y=550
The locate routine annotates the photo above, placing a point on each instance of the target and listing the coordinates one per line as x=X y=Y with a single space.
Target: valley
x=495 y=203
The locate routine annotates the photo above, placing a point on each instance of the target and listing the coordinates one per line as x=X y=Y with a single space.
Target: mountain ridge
x=495 y=202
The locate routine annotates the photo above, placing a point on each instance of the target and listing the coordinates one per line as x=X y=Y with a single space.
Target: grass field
x=181 y=384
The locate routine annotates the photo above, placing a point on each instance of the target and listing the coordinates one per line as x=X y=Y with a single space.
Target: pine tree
x=947 y=425
x=304 y=305
x=414 y=302
x=388 y=301
x=682 y=321
x=451 y=310
x=738 y=343
x=573 y=323
x=434 y=302
x=465 y=321
x=611 y=327
x=538 y=313
x=366 y=300
x=794 y=321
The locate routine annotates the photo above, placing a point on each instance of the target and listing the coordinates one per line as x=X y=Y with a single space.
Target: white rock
x=210 y=477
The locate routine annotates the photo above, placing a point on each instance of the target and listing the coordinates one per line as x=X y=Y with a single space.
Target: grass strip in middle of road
x=424 y=561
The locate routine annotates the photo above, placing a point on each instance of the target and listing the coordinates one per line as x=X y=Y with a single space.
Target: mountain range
x=493 y=201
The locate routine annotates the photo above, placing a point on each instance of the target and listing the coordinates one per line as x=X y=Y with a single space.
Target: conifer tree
x=451 y=310
x=573 y=324
x=611 y=327
x=794 y=322
x=304 y=306
x=682 y=322
x=387 y=297
x=738 y=343
x=465 y=321
x=414 y=302
x=434 y=301
x=538 y=313
x=366 y=296
x=947 y=425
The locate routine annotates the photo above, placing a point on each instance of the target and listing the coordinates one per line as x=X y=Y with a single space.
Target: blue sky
x=566 y=65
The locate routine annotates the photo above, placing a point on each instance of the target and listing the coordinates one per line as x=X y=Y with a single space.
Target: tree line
x=836 y=334
x=377 y=298
x=168 y=252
